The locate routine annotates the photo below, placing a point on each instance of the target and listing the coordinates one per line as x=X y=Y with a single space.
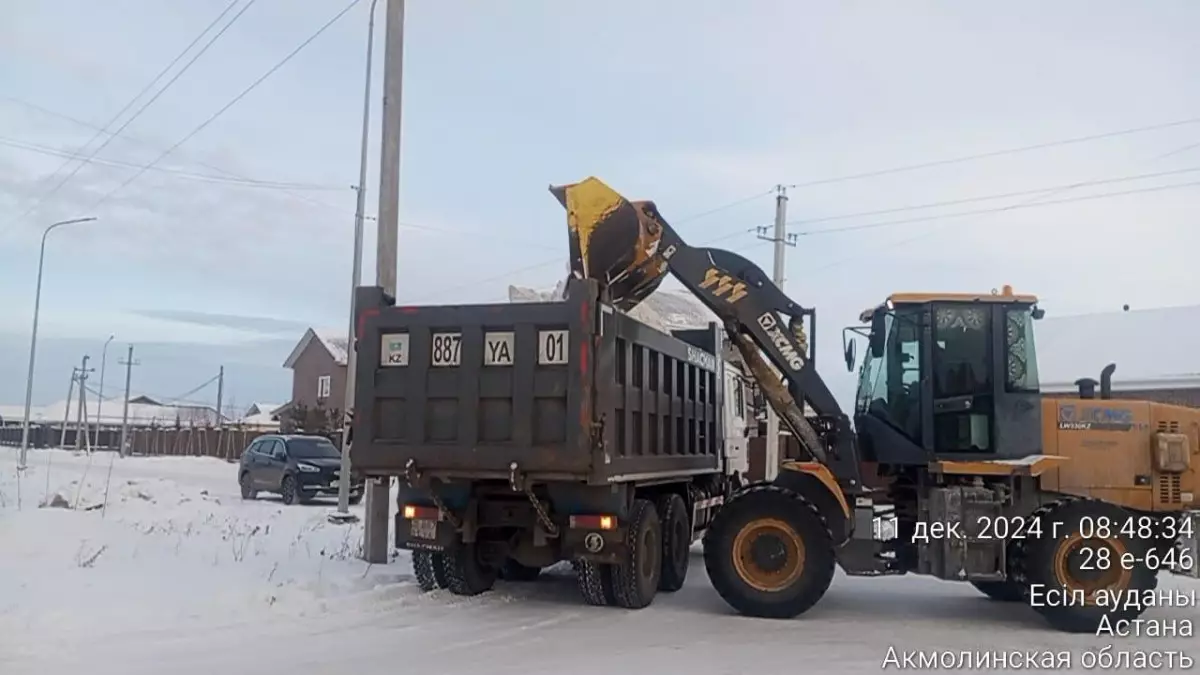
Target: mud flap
x=1188 y=546
x=612 y=241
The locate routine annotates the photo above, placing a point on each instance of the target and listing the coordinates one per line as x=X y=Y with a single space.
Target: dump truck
x=1071 y=505
x=527 y=434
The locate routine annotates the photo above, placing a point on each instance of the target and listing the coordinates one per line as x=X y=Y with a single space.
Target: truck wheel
x=769 y=553
x=1079 y=552
x=635 y=579
x=465 y=572
x=428 y=569
x=1001 y=591
x=595 y=583
x=515 y=571
x=676 y=542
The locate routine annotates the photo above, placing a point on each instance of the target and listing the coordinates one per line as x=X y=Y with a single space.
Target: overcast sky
x=695 y=104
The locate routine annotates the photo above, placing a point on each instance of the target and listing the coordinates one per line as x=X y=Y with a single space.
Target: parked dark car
x=298 y=468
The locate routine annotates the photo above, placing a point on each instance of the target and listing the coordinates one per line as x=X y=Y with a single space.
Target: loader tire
x=595 y=583
x=1001 y=591
x=465 y=573
x=635 y=578
x=1079 y=550
x=769 y=553
x=428 y=570
x=676 y=542
x=515 y=571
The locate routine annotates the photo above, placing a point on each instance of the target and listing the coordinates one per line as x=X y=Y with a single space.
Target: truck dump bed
x=568 y=390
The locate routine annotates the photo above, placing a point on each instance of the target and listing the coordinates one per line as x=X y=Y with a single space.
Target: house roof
x=1152 y=348
x=336 y=345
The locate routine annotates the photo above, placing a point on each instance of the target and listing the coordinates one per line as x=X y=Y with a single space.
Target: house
x=1152 y=349
x=264 y=416
x=318 y=365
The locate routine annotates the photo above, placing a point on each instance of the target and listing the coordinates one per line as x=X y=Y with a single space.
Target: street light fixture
x=37 y=305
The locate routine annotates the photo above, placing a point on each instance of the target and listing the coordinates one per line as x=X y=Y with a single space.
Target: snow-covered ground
x=174 y=573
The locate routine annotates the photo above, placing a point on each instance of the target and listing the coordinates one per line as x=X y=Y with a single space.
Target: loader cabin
x=948 y=375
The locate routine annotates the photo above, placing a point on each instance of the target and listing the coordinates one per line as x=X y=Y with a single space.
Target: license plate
x=423 y=528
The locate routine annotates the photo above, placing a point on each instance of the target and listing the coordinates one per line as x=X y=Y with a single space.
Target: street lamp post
x=343 y=507
x=37 y=305
x=100 y=394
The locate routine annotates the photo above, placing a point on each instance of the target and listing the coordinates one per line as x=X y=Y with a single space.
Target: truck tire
x=1078 y=550
x=515 y=571
x=595 y=583
x=428 y=569
x=1001 y=591
x=769 y=553
x=465 y=572
x=635 y=579
x=676 y=542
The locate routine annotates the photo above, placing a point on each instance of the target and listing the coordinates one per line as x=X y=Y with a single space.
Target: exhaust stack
x=1106 y=381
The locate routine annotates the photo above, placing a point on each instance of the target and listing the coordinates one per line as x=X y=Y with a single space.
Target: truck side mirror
x=878 y=333
x=850 y=354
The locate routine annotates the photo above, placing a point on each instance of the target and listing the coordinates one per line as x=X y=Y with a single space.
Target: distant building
x=318 y=364
x=1152 y=348
x=263 y=416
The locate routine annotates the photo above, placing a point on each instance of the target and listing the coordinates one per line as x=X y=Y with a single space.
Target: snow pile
x=663 y=310
x=107 y=544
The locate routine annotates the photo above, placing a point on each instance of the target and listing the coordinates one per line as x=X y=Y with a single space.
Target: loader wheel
x=769 y=553
x=465 y=573
x=1001 y=591
x=428 y=569
x=1080 y=552
x=515 y=571
x=595 y=583
x=676 y=542
x=635 y=579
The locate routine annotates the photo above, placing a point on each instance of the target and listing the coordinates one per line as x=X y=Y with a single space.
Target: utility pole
x=375 y=527
x=782 y=240
x=129 y=363
x=62 y=439
x=80 y=430
x=100 y=393
x=220 y=392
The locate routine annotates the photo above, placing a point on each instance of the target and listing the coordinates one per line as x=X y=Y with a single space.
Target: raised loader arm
x=630 y=247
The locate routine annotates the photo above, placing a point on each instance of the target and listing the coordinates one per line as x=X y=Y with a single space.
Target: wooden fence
x=222 y=442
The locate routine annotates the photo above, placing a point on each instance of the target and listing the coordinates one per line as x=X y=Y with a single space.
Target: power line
x=984 y=198
x=148 y=103
x=1012 y=207
x=189 y=392
x=997 y=153
x=227 y=106
x=245 y=182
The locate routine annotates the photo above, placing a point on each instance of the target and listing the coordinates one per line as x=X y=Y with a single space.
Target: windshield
x=312 y=448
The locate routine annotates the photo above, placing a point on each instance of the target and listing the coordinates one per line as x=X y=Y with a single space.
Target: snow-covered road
x=178 y=575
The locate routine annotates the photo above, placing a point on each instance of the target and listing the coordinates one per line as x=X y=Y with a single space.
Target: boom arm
x=759 y=318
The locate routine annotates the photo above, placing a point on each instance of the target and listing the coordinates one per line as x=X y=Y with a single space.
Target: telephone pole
x=62 y=439
x=220 y=393
x=781 y=239
x=129 y=363
x=80 y=430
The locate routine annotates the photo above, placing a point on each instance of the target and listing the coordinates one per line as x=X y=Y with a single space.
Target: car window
x=254 y=447
x=274 y=447
x=312 y=448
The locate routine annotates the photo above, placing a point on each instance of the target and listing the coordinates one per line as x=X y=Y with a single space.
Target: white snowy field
x=174 y=573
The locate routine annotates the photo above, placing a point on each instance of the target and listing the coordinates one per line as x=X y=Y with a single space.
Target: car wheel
x=288 y=490
x=248 y=491
x=355 y=499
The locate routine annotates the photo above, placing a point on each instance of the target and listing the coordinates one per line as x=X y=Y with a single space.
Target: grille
x=1169 y=427
x=1169 y=489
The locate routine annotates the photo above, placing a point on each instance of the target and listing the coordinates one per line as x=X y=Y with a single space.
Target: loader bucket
x=612 y=240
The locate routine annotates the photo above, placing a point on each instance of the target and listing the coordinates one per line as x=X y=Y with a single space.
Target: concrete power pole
x=62 y=439
x=375 y=525
x=80 y=429
x=220 y=393
x=129 y=363
x=781 y=239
